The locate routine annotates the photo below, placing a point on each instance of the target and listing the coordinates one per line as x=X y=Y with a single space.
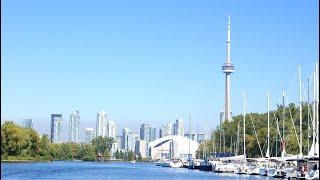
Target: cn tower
x=228 y=68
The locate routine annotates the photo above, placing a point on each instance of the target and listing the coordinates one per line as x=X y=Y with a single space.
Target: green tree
x=87 y=152
x=44 y=145
x=291 y=121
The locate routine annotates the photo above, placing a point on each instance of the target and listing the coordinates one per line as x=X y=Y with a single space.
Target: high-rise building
x=222 y=116
x=74 y=127
x=179 y=127
x=89 y=135
x=145 y=132
x=27 y=123
x=56 y=128
x=141 y=148
x=228 y=68
x=111 y=133
x=152 y=133
x=118 y=142
x=101 y=124
x=111 y=129
x=166 y=130
x=148 y=133
x=128 y=140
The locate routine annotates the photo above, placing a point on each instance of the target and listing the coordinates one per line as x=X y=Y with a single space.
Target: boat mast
x=267 y=154
x=244 y=125
x=308 y=117
x=238 y=135
x=283 y=129
x=300 y=104
x=312 y=150
x=277 y=139
x=317 y=110
x=204 y=148
x=190 y=136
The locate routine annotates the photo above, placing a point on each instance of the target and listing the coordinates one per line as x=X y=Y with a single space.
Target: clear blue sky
x=143 y=61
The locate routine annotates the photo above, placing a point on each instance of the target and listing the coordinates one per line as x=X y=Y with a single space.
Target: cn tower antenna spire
x=228 y=41
x=228 y=68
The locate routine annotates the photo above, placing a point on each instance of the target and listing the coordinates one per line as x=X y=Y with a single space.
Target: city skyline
x=151 y=67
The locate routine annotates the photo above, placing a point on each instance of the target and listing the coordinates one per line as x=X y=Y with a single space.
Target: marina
x=289 y=166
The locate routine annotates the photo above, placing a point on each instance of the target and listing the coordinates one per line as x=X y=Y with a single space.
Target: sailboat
x=273 y=165
x=296 y=161
x=264 y=167
x=207 y=164
x=242 y=166
x=313 y=155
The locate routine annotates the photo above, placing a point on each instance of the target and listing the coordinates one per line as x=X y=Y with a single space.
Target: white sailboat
x=271 y=168
x=175 y=163
x=277 y=170
x=313 y=155
x=264 y=167
x=242 y=166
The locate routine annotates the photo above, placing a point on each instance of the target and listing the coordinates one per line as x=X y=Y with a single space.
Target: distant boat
x=312 y=174
x=195 y=164
x=133 y=161
x=206 y=165
x=165 y=163
x=160 y=162
x=176 y=163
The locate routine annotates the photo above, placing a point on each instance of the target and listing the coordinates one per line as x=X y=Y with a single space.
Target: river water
x=107 y=170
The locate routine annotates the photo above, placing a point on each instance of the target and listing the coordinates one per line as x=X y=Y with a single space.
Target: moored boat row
x=289 y=168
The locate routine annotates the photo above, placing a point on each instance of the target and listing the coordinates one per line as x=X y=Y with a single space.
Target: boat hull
x=175 y=165
x=276 y=173
x=205 y=167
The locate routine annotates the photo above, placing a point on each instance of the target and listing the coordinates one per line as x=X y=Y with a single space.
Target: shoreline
x=34 y=161
x=20 y=161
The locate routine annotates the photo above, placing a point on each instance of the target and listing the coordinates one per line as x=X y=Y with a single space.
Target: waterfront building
x=56 y=128
x=145 y=132
x=166 y=130
x=200 y=137
x=27 y=123
x=179 y=127
x=128 y=140
x=153 y=133
x=101 y=124
x=228 y=68
x=89 y=135
x=111 y=129
x=172 y=147
x=74 y=127
x=141 y=148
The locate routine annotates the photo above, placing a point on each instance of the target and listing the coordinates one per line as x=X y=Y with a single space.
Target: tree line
x=225 y=137
x=18 y=143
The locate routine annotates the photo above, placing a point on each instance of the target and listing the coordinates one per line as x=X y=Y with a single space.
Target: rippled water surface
x=106 y=170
